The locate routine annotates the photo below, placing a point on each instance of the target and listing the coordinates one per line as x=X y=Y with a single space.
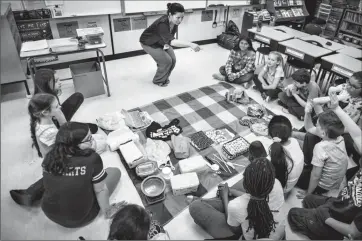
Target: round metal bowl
x=153 y=186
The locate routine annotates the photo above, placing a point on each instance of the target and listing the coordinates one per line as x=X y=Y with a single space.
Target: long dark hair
x=42 y=82
x=174 y=8
x=280 y=128
x=256 y=150
x=69 y=136
x=132 y=222
x=259 y=181
x=38 y=103
x=247 y=39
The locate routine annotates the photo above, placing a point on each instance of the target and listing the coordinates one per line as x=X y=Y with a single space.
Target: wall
x=191 y=29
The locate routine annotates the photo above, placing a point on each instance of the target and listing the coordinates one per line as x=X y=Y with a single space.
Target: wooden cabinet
x=12 y=70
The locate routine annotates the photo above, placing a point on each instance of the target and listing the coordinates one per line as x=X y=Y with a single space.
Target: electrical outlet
x=236 y=13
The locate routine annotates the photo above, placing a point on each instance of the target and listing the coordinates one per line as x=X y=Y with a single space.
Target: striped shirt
x=332 y=156
x=242 y=63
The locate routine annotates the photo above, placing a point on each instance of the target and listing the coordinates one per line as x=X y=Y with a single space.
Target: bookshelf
x=288 y=12
x=350 y=29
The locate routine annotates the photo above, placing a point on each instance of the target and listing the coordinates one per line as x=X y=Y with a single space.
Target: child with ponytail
x=285 y=153
x=270 y=79
x=43 y=110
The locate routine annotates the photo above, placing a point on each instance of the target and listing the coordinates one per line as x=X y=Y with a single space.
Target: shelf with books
x=353 y=22
x=350 y=32
x=287 y=10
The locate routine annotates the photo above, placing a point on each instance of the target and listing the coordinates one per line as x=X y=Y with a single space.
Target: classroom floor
x=131 y=86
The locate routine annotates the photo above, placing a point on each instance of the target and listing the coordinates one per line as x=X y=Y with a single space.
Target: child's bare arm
x=314 y=179
x=260 y=76
x=274 y=85
x=308 y=123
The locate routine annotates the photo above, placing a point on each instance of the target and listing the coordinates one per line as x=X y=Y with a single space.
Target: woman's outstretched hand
x=195 y=47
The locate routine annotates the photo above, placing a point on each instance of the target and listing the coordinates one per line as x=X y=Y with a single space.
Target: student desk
x=352 y=52
x=31 y=55
x=302 y=50
x=292 y=32
x=334 y=46
x=269 y=36
x=337 y=64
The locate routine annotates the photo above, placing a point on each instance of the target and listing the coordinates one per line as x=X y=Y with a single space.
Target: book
x=34 y=45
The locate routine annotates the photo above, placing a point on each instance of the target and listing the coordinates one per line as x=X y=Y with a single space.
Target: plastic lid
x=215 y=167
x=166 y=171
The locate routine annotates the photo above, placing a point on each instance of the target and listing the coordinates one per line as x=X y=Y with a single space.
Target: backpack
x=230 y=38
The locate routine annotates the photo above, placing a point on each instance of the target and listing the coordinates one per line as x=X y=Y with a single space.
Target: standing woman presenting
x=158 y=38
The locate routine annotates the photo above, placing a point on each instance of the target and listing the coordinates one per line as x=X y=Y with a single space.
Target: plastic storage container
x=87 y=78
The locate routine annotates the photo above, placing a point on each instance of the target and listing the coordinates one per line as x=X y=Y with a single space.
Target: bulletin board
x=78 y=8
x=229 y=3
x=157 y=6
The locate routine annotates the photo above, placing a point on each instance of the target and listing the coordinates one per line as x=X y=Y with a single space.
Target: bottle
x=260 y=22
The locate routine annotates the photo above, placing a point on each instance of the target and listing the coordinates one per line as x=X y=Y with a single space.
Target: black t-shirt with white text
x=348 y=207
x=69 y=199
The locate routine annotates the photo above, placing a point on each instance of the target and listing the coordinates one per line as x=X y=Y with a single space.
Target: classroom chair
x=263 y=51
x=313 y=29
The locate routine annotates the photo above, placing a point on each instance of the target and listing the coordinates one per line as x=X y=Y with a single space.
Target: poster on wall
x=207 y=15
x=122 y=24
x=67 y=29
x=92 y=24
x=139 y=22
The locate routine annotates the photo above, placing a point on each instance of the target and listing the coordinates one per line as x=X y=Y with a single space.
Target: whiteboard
x=229 y=3
x=91 y=7
x=156 y=6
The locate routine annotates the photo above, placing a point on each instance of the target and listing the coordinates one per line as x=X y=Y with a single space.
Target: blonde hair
x=279 y=58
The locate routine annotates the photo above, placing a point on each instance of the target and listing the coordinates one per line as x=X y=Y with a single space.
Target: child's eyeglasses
x=89 y=139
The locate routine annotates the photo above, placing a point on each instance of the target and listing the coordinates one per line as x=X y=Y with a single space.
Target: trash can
x=87 y=78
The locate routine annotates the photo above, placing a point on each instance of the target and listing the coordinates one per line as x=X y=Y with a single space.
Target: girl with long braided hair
x=253 y=213
x=259 y=179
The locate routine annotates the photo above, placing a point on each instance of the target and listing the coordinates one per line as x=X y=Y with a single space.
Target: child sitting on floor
x=270 y=79
x=285 y=153
x=255 y=214
x=240 y=66
x=327 y=218
x=295 y=95
x=349 y=95
x=330 y=160
x=133 y=222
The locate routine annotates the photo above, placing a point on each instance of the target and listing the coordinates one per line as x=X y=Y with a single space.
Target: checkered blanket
x=199 y=110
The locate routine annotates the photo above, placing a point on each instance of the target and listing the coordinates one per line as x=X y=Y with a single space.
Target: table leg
x=98 y=57
x=105 y=70
x=30 y=62
x=26 y=87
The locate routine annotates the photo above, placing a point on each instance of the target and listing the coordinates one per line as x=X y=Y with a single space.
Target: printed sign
x=207 y=15
x=122 y=24
x=92 y=24
x=139 y=23
x=67 y=29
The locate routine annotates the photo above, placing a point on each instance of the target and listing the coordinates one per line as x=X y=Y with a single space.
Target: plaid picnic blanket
x=199 y=110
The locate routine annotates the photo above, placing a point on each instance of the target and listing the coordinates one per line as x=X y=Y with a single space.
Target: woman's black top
x=158 y=33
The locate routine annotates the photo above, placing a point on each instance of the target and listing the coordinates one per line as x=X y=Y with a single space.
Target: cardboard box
x=184 y=183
